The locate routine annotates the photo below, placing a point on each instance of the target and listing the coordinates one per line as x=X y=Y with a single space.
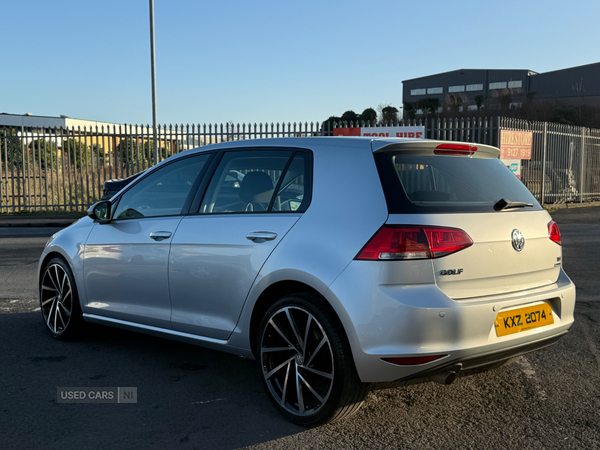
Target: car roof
x=374 y=144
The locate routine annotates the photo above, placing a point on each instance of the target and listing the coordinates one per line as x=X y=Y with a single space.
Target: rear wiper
x=510 y=204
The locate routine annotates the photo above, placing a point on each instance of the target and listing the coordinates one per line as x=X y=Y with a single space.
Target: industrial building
x=475 y=89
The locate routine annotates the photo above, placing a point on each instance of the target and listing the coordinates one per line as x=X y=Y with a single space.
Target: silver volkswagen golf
x=334 y=262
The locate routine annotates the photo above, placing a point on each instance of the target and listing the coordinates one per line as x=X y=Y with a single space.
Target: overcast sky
x=268 y=61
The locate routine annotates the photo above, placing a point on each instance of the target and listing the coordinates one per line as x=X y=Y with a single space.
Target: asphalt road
x=190 y=397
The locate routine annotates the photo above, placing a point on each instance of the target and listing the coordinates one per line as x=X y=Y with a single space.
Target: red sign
x=346 y=132
x=417 y=132
x=515 y=144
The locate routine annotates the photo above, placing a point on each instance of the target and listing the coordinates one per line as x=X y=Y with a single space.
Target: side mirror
x=100 y=211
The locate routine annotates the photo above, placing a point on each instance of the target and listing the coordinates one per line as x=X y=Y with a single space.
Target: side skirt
x=215 y=344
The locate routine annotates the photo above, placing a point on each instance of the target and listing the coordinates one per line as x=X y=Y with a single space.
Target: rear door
x=254 y=198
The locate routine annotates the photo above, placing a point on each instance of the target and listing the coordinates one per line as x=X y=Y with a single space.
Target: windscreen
x=434 y=183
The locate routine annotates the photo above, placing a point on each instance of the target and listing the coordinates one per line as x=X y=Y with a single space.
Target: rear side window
x=434 y=183
x=258 y=181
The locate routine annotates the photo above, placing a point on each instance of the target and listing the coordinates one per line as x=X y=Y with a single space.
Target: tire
x=305 y=362
x=59 y=302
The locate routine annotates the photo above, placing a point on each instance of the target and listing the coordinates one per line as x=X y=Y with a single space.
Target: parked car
x=111 y=187
x=334 y=262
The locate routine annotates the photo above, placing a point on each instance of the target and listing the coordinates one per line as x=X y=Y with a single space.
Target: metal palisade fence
x=566 y=157
x=63 y=169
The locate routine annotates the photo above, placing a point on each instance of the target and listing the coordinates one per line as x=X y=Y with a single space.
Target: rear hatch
x=443 y=194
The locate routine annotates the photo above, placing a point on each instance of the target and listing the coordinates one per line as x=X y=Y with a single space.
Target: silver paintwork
x=202 y=282
x=212 y=266
x=126 y=270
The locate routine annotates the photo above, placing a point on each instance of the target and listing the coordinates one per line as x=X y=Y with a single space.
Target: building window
x=460 y=109
x=435 y=90
x=456 y=88
x=474 y=87
x=515 y=105
x=515 y=84
x=440 y=109
x=472 y=108
x=498 y=85
x=419 y=112
x=418 y=92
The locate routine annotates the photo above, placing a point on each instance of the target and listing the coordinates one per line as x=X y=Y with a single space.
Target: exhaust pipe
x=444 y=377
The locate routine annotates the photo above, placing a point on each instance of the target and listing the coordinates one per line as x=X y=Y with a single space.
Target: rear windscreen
x=433 y=183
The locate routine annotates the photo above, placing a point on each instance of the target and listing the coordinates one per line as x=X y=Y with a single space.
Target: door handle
x=261 y=236
x=160 y=235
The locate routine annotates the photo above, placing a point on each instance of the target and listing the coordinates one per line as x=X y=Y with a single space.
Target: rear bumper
x=476 y=361
x=398 y=321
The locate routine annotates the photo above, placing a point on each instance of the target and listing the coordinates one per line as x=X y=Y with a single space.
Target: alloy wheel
x=297 y=361
x=56 y=298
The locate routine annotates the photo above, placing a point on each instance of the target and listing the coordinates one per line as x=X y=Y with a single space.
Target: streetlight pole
x=153 y=71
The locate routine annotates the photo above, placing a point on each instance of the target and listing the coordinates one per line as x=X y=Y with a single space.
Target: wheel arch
x=58 y=252
x=47 y=258
x=276 y=291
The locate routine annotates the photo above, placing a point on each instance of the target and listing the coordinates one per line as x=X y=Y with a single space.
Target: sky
x=257 y=61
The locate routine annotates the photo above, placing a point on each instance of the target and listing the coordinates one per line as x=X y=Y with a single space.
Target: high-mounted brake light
x=455 y=149
x=412 y=361
x=414 y=242
x=554 y=232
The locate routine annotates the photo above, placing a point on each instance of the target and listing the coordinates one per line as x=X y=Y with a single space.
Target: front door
x=126 y=260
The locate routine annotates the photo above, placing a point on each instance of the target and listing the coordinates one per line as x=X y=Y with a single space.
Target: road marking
x=530 y=374
x=210 y=401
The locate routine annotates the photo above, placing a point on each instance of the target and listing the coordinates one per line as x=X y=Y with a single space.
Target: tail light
x=554 y=233
x=414 y=242
x=455 y=149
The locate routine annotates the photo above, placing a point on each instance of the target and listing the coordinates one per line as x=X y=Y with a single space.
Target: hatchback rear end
x=465 y=272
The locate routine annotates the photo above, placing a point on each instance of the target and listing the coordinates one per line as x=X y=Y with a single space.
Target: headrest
x=256 y=187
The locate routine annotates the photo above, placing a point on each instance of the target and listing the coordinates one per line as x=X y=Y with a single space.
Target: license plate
x=523 y=319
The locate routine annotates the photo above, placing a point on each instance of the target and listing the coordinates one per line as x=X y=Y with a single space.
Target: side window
x=291 y=194
x=247 y=181
x=162 y=193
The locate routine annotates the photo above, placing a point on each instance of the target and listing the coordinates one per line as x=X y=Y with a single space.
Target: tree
x=327 y=126
x=388 y=114
x=505 y=98
x=479 y=101
x=454 y=102
x=410 y=110
x=44 y=152
x=429 y=106
x=350 y=116
x=139 y=154
x=11 y=152
x=98 y=151
x=78 y=153
x=369 y=115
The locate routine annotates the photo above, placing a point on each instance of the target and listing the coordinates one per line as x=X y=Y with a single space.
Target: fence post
x=582 y=172
x=545 y=148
